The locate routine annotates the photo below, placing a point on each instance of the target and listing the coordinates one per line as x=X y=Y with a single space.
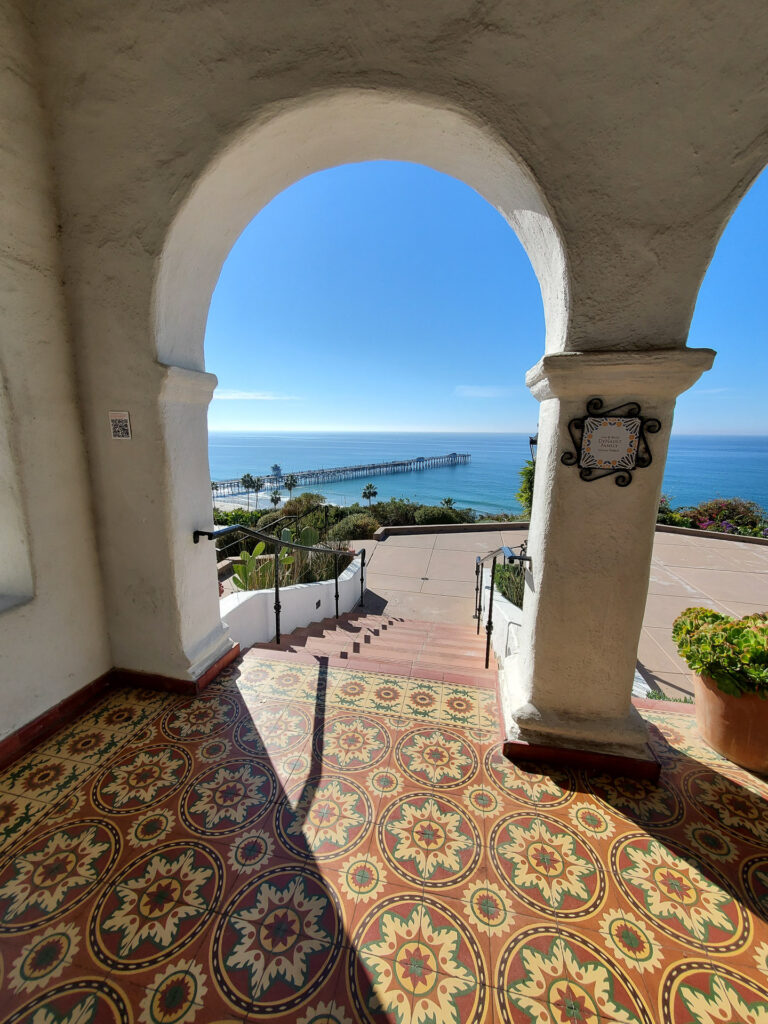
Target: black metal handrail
x=278 y=544
x=508 y=554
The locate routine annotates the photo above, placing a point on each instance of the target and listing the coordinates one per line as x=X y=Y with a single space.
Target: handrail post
x=362 y=578
x=489 y=623
x=480 y=599
x=477 y=586
x=336 y=582
x=277 y=593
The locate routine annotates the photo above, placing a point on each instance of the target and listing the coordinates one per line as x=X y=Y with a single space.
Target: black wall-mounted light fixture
x=533 y=442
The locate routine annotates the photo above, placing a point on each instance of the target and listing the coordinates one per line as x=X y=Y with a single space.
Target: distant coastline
x=698 y=467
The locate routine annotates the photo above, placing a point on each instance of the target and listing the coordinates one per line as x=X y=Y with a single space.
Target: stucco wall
x=54 y=642
x=635 y=128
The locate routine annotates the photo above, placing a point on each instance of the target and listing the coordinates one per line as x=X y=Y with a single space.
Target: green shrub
x=729 y=515
x=669 y=516
x=510 y=582
x=237 y=515
x=525 y=492
x=660 y=695
x=435 y=515
x=395 y=512
x=302 y=502
x=732 y=652
x=268 y=518
x=354 y=527
x=724 y=515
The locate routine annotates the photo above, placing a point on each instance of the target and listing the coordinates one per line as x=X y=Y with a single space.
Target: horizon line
x=375 y=430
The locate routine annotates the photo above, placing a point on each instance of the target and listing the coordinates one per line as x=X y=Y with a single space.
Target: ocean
x=698 y=467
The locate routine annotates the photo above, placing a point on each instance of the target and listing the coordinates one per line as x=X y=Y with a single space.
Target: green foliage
x=435 y=515
x=660 y=695
x=309 y=536
x=229 y=517
x=354 y=527
x=395 y=512
x=669 y=516
x=290 y=482
x=250 y=572
x=510 y=582
x=733 y=652
x=525 y=492
x=369 y=491
x=730 y=515
x=448 y=503
x=274 y=497
x=723 y=515
x=302 y=502
x=268 y=518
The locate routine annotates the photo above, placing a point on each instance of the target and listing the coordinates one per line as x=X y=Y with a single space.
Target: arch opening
x=326 y=131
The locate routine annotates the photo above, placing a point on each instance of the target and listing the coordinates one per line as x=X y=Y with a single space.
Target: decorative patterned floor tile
x=17 y=815
x=43 y=778
x=322 y=846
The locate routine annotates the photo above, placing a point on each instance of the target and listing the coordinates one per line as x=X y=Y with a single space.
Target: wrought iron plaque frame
x=642 y=455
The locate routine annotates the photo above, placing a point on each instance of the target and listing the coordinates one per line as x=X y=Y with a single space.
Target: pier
x=311 y=477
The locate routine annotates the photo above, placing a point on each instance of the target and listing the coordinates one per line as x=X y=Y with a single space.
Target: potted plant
x=729 y=659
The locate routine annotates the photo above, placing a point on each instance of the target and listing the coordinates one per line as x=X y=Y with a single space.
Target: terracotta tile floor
x=329 y=846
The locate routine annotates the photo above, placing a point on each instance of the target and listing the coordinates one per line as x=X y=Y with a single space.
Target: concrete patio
x=430 y=576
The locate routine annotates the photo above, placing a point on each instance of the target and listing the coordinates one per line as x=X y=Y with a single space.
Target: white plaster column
x=590 y=545
x=184 y=399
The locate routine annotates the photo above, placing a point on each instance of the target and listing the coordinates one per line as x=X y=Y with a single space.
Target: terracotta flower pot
x=736 y=727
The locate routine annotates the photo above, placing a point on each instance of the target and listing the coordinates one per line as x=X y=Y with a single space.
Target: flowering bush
x=732 y=652
x=723 y=515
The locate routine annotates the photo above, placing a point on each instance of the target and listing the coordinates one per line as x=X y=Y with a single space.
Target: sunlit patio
x=308 y=844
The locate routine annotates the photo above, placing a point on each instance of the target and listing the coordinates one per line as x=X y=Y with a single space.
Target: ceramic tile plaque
x=610 y=442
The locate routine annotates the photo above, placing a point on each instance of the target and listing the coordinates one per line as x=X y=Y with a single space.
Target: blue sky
x=387 y=296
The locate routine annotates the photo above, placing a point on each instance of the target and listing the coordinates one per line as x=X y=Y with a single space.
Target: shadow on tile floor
x=315 y=845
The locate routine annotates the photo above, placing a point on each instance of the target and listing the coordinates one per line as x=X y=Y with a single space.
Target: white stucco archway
x=571 y=685
x=326 y=130
x=285 y=145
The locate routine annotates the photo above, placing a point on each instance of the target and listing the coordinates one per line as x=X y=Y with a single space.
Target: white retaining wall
x=506 y=624
x=249 y=617
x=505 y=639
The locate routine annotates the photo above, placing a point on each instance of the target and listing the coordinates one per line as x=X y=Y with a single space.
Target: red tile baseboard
x=633 y=767
x=190 y=687
x=40 y=728
x=22 y=740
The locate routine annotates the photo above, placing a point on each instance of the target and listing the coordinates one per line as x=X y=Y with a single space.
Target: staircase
x=442 y=651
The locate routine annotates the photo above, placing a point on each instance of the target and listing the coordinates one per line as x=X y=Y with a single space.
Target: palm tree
x=369 y=491
x=258 y=483
x=289 y=483
x=447 y=503
x=274 y=496
x=248 y=484
x=214 y=488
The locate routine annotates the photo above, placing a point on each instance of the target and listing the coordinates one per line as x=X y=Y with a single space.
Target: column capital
x=656 y=372
x=181 y=386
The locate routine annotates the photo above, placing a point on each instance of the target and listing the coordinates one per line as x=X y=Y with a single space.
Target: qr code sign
x=120 y=425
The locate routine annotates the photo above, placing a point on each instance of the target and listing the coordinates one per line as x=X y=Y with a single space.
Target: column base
x=618 y=746
x=647 y=767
